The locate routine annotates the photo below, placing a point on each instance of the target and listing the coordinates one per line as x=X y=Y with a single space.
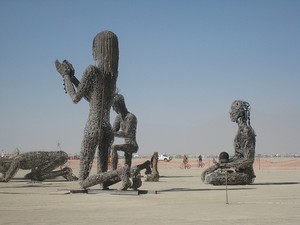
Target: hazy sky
x=182 y=64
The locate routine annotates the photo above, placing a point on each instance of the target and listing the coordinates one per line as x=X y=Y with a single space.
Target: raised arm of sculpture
x=67 y=71
x=128 y=130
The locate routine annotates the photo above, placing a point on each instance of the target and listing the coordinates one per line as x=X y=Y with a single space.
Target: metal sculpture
x=154 y=175
x=124 y=126
x=237 y=170
x=123 y=174
x=97 y=86
x=41 y=163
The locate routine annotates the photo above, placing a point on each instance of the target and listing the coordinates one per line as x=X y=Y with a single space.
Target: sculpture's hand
x=215 y=161
x=64 y=68
x=223 y=165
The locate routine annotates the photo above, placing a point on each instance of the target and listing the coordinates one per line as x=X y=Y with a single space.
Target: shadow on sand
x=202 y=189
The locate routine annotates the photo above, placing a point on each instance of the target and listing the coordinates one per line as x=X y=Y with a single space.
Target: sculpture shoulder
x=91 y=69
x=131 y=117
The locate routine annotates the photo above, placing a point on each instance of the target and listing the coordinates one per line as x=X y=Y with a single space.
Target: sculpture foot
x=103 y=186
x=124 y=175
x=69 y=175
x=33 y=176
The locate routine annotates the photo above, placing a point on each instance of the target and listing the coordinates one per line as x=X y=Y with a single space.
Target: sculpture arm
x=209 y=170
x=241 y=163
x=130 y=128
x=67 y=71
x=248 y=152
x=84 y=85
x=13 y=169
x=116 y=124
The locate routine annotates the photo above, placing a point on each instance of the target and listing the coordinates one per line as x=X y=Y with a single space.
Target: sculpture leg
x=136 y=175
x=109 y=178
x=128 y=158
x=216 y=178
x=114 y=157
x=208 y=171
x=87 y=153
x=128 y=150
x=233 y=178
x=52 y=161
x=237 y=178
x=104 y=145
x=65 y=172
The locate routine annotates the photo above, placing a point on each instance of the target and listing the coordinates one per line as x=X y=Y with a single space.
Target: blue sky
x=182 y=64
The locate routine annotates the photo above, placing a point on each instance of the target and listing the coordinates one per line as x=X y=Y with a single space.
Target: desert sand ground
x=181 y=198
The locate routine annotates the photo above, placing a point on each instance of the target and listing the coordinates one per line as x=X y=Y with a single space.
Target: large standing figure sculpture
x=97 y=85
x=239 y=168
x=124 y=126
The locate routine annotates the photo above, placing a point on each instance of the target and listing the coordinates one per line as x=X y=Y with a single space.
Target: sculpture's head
x=5 y=164
x=240 y=111
x=106 y=51
x=118 y=103
x=223 y=157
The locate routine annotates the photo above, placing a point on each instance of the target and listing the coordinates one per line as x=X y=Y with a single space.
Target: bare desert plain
x=179 y=198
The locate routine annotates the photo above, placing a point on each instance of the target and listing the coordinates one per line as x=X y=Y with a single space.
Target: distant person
x=200 y=163
x=185 y=163
x=185 y=159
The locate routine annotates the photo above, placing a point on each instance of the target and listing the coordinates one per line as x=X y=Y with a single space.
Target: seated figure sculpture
x=124 y=126
x=239 y=168
x=41 y=163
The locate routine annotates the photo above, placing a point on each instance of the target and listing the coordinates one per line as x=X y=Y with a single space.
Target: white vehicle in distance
x=164 y=157
x=135 y=156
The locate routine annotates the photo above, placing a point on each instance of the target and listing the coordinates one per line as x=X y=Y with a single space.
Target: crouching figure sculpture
x=41 y=163
x=237 y=170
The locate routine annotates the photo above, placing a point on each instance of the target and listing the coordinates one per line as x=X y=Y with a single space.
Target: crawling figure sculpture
x=41 y=163
x=239 y=168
